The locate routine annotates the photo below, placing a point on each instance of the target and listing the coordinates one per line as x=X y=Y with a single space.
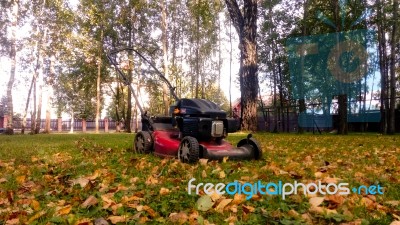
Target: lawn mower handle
x=163 y=78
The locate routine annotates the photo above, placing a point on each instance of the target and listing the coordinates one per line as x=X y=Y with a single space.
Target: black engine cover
x=199 y=108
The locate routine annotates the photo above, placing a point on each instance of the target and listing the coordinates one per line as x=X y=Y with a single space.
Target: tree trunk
x=392 y=115
x=302 y=101
x=72 y=122
x=33 y=114
x=39 y=107
x=164 y=25
x=48 y=116
x=197 y=54
x=13 y=58
x=26 y=106
x=342 y=114
x=246 y=27
x=98 y=81
x=382 y=66
x=129 y=108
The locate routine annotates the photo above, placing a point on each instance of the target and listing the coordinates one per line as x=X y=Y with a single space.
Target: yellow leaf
x=150 y=211
x=64 y=210
x=238 y=199
x=204 y=174
x=36 y=216
x=117 y=219
x=316 y=201
x=203 y=162
x=35 y=205
x=20 y=179
x=34 y=159
x=126 y=199
x=222 y=174
x=395 y=223
x=220 y=207
x=151 y=180
x=164 y=191
x=293 y=213
x=318 y=174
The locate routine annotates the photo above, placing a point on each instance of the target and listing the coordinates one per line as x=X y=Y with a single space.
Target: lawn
x=94 y=178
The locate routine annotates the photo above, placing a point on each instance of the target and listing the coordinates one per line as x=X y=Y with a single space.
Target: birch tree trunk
x=13 y=58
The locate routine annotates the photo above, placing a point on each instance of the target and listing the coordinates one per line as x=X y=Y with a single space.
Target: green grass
x=37 y=176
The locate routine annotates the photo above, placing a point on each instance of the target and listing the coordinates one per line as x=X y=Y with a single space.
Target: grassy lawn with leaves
x=97 y=179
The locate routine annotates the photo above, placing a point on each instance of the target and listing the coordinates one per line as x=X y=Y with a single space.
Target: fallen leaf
x=203 y=162
x=151 y=180
x=393 y=203
x=150 y=211
x=330 y=180
x=178 y=218
x=115 y=208
x=117 y=219
x=64 y=210
x=355 y=222
x=231 y=219
x=322 y=210
x=215 y=196
x=293 y=213
x=126 y=199
x=82 y=181
x=238 y=199
x=13 y=221
x=367 y=202
x=307 y=218
x=395 y=223
x=318 y=174
x=194 y=218
x=90 y=201
x=133 y=180
x=35 y=205
x=248 y=209
x=220 y=207
x=204 y=203
x=20 y=179
x=335 y=199
x=203 y=174
x=3 y=180
x=222 y=175
x=316 y=201
x=225 y=159
x=164 y=191
x=84 y=221
x=100 y=221
x=36 y=216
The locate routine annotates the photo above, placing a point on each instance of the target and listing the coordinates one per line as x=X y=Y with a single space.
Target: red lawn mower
x=195 y=129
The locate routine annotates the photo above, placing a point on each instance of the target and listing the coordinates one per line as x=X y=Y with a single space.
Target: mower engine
x=202 y=119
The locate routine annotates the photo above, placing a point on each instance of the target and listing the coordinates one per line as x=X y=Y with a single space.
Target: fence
x=60 y=125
